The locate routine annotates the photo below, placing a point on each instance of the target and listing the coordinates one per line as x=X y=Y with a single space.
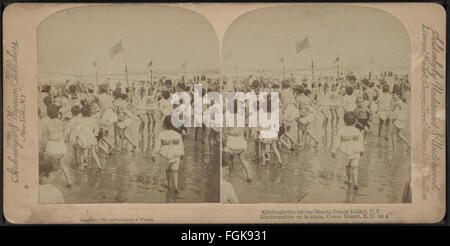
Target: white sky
x=72 y=40
x=259 y=38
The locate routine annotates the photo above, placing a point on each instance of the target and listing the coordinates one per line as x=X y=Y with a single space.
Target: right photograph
x=343 y=77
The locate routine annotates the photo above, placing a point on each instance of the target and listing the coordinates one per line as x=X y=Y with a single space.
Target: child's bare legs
x=174 y=174
x=388 y=129
x=211 y=140
x=277 y=153
x=203 y=128
x=116 y=136
x=290 y=137
x=348 y=173
x=125 y=137
x=403 y=139
x=333 y=118
x=284 y=142
x=169 y=178
x=142 y=128
x=314 y=138
x=299 y=131
x=325 y=120
x=355 y=177
x=394 y=132
x=380 y=127
x=65 y=170
x=84 y=161
x=94 y=155
x=246 y=165
x=75 y=153
x=257 y=150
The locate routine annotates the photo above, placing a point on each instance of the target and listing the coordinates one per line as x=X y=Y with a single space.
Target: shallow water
x=311 y=175
x=133 y=178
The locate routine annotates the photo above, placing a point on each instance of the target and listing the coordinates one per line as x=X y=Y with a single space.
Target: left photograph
x=106 y=76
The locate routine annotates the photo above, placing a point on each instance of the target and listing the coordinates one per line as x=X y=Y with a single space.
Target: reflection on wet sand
x=311 y=175
x=133 y=178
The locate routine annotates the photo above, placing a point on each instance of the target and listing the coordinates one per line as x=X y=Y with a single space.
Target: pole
x=371 y=62
x=96 y=77
x=337 y=69
x=126 y=74
x=312 y=70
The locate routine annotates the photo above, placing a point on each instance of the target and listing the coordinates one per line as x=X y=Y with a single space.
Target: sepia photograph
x=248 y=113
x=106 y=76
x=343 y=76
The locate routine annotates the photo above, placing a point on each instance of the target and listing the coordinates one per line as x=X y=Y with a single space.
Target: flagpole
x=312 y=62
x=337 y=68
x=126 y=67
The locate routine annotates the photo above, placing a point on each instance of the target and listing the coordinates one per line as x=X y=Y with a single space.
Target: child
x=169 y=145
x=71 y=132
x=140 y=105
x=349 y=141
x=48 y=193
x=363 y=117
x=399 y=117
x=235 y=145
x=323 y=100
x=107 y=119
x=334 y=106
x=53 y=137
x=384 y=109
x=87 y=129
x=306 y=112
x=123 y=122
x=349 y=100
x=289 y=117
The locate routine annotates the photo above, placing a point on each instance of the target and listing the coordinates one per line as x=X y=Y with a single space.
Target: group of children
x=343 y=108
x=78 y=120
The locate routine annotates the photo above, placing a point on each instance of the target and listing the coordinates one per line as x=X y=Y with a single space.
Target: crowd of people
x=349 y=109
x=86 y=121
x=82 y=120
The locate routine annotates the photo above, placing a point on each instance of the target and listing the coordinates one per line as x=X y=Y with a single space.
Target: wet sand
x=305 y=176
x=130 y=177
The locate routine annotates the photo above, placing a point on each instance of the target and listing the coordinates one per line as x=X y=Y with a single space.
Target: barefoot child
x=384 y=110
x=349 y=141
x=72 y=134
x=268 y=143
x=169 y=145
x=235 y=145
x=87 y=129
x=306 y=112
x=363 y=117
x=53 y=137
x=123 y=122
x=399 y=117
